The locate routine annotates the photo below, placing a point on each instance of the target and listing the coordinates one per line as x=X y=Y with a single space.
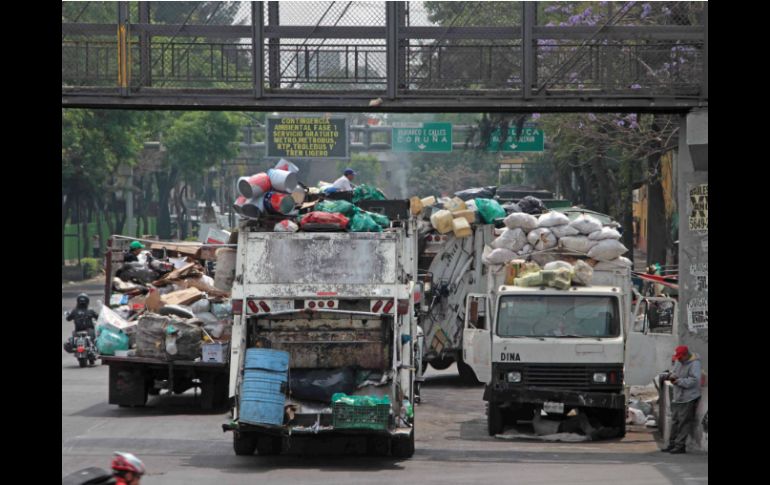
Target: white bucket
x=284 y=164
x=282 y=181
x=253 y=208
x=299 y=196
x=254 y=186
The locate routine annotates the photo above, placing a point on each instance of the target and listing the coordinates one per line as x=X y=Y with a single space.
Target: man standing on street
x=686 y=381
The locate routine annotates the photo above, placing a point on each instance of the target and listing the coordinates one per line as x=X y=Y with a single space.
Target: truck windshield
x=558 y=316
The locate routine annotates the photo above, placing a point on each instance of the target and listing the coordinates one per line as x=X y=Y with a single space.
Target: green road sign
x=423 y=137
x=531 y=140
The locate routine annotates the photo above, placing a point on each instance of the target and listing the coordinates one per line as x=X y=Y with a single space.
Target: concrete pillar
x=692 y=193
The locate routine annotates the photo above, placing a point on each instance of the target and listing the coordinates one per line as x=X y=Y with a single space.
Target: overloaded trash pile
x=169 y=309
x=276 y=200
x=560 y=250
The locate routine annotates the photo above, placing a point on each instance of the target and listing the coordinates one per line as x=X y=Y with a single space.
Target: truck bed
x=111 y=359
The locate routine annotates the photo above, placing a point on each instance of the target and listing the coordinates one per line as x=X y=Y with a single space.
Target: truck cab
x=542 y=349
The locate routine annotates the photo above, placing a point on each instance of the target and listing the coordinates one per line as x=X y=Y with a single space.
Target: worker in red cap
x=685 y=377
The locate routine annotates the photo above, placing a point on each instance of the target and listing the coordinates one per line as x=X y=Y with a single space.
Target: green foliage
x=368 y=168
x=91 y=267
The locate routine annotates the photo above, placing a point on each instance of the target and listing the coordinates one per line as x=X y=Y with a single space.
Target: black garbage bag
x=321 y=384
x=476 y=193
x=137 y=273
x=532 y=205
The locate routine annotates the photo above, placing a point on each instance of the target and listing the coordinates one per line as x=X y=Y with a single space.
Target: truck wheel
x=441 y=364
x=403 y=447
x=494 y=419
x=244 y=444
x=466 y=373
x=268 y=444
x=83 y=362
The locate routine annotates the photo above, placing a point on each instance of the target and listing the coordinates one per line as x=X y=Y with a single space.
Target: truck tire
x=244 y=444
x=494 y=419
x=269 y=444
x=441 y=364
x=403 y=447
x=83 y=362
x=467 y=376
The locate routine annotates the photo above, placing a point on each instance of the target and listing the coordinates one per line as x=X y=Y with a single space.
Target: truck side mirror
x=473 y=312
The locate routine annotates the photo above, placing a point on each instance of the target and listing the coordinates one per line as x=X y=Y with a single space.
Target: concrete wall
x=692 y=184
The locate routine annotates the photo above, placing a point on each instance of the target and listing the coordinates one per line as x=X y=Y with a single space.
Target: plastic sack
x=475 y=193
x=532 y=205
x=607 y=250
x=222 y=310
x=513 y=239
x=586 y=224
x=340 y=206
x=604 y=233
x=541 y=239
x=526 y=222
x=618 y=263
x=552 y=218
x=558 y=265
x=206 y=317
x=380 y=219
x=511 y=208
x=499 y=256
x=321 y=384
x=635 y=416
x=367 y=192
x=363 y=222
x=111 y=320
x=564 y=230
x=534 y=278
x=109 y=341
x=580 y=244
x=561 y=278
x=332 y=218
x=489 y=210
x=286 y=226
x=582 y=273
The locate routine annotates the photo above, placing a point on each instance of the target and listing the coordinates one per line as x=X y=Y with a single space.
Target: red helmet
x=126 y=462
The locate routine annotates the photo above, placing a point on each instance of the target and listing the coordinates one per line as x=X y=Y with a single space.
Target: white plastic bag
x=552 y=218
x=557 y=265
x=635 y=416
x=618 y=263
x=200 y=306
x=499 y=256
x=286 y=226
x=607 y=250
x=582 y=273
x=586 y=224
x=521 y=220
x=513 y=239
x=604 y=233
x=526 y=250
x=580 y=244
x=542 y=238
x=564 y=230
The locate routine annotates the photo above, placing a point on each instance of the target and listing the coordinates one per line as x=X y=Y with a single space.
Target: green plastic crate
x=346 y=416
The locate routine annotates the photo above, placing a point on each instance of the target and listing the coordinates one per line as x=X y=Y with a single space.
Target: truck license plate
x=553 y=407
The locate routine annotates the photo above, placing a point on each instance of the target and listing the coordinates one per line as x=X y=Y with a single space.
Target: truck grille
x=562 y=376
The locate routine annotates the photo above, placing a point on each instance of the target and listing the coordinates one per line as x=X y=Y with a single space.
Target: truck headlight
x=513 y=376
x=600 y=377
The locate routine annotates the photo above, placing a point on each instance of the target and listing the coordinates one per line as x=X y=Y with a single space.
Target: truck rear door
x=477 y=336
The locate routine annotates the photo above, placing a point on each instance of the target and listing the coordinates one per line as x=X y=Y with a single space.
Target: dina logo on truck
x=510 y=357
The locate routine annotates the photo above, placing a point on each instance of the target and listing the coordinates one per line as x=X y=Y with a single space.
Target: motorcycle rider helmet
x=83 y=299
x=127 y=462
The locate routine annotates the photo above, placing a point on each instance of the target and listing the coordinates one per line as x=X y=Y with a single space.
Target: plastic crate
x=346 y=416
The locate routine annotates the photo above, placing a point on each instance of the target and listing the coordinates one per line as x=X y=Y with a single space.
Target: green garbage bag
x=340 y=206
x=108 y=341
x=367 y=192
x=489 y=210
x=380 y=219
x=363 y=222
x=343 y=398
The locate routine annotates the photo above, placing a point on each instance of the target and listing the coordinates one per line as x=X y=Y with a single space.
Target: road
x=181 y=445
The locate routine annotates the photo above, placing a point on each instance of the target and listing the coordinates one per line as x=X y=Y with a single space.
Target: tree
x=368 y=168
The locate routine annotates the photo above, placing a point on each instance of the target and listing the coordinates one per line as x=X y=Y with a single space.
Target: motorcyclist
x=127 y=469
x=83 y=316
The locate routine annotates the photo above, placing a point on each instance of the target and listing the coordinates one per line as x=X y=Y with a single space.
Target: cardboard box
x=215 y=352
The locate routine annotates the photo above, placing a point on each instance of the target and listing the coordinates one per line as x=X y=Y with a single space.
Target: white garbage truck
x=342 y=305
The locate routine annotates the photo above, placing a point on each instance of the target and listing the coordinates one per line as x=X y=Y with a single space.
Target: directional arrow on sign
x=422 y=146
x=514 y=146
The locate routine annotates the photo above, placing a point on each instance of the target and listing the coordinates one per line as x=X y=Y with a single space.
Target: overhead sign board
x=423 y=137
x=307 y=138
x=532 y=139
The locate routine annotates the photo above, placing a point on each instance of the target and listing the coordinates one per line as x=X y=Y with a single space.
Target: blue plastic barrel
x=262 y=397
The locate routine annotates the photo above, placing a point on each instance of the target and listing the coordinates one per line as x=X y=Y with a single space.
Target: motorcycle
x=82 y=345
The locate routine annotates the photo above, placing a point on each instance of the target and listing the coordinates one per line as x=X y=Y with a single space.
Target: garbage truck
x=546 y=350
x=342 y=305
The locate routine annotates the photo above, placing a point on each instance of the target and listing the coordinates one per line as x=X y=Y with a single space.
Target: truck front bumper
x=539 y=395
